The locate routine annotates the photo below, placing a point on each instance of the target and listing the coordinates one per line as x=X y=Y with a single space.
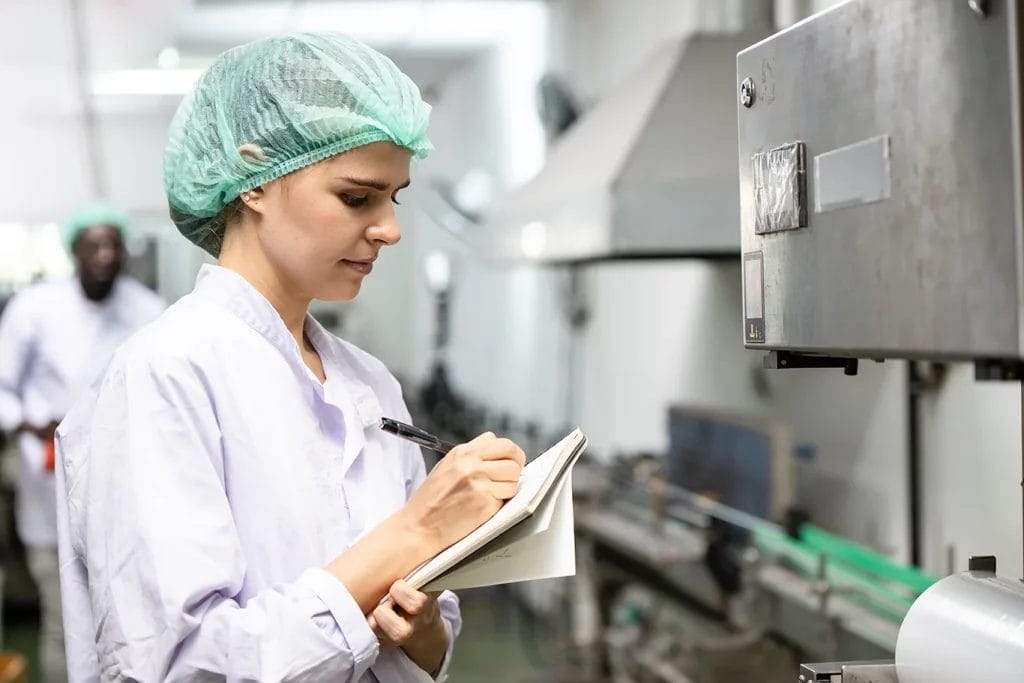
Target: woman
x=227 y=506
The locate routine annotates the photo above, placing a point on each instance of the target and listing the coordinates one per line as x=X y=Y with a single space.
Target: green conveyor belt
x=859 y=557
x=860 y=574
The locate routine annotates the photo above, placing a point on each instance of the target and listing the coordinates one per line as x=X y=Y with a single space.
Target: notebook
x=529 y=537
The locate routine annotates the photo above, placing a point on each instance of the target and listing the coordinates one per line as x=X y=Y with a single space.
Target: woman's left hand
x=412 y=621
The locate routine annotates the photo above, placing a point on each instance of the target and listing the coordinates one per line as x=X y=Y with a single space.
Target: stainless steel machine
x=882 y=213
x=881 y=181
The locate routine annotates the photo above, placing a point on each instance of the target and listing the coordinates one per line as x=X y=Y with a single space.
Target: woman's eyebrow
x=378 y=185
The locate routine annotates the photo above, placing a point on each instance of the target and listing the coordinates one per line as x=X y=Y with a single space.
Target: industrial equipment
x=881 y=180
x=649 y=171
x=881 y=183
x=731 y=592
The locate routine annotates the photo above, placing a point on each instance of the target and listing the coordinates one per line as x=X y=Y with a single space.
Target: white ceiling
x=53 y=156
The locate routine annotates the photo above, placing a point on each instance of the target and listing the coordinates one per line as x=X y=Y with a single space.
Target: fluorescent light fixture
x=145 y=81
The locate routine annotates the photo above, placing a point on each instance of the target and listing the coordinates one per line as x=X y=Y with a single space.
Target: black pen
x=416 y=435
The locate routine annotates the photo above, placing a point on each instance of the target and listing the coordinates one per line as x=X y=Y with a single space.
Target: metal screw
x=747 y=92
x=980 y=7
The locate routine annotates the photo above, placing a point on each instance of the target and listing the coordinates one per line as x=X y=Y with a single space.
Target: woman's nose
x=386 y=231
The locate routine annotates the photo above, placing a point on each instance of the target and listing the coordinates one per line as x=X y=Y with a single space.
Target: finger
x=474 y=444
x=408 y=598
x=502 y=449
x=503 y=490
x=374 y=624
x=501 y=470
x=395 y=628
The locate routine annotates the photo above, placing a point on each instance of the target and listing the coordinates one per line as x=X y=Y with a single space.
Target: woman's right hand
x=465 y=489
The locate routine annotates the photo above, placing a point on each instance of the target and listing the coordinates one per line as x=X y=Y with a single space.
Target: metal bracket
x=982 y=563
x=998 y=370
x=849 y=672
x=788 y=360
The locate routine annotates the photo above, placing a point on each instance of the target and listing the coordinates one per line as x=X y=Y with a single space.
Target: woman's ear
x=253 y=199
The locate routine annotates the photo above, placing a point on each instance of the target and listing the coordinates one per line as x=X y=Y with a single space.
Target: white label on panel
x=753 y=299
x=856 y=174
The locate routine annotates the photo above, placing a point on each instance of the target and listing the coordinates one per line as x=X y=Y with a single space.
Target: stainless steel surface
x=849 y=672
x=965 y=625
x=935 y=269
x=870 y=673
x=649 y=171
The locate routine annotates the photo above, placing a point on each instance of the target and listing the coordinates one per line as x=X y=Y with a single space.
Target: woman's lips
x=363 y=267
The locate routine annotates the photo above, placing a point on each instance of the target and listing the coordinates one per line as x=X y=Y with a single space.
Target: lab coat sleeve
x=449 y=604
x=150 y=518
x=447 y=601
x=16 y=332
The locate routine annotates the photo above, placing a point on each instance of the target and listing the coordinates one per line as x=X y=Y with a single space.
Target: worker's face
x=323 y=226
x=99 y=251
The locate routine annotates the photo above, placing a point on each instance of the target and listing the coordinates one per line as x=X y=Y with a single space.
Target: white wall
x=972 y=472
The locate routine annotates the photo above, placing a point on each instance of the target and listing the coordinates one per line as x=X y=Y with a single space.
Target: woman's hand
x=465 y=489
x=462 y=492
x=412 y=621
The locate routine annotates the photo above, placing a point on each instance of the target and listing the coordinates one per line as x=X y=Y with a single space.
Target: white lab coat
x=206 y=483
x=54 y=342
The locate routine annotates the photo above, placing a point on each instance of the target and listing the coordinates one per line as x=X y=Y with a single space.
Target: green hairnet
x=95 y=213
x=274 y=106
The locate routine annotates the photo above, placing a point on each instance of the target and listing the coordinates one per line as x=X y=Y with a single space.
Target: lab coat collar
x=358 y=401
x=343 y=388
x=233 y=292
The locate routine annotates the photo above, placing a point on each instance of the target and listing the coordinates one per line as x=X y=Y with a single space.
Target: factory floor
x=500 y=643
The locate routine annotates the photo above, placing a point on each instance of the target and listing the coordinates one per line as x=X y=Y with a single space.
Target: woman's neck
x=252 y=265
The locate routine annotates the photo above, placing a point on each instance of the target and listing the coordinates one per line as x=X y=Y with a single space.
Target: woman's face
x=322 y=227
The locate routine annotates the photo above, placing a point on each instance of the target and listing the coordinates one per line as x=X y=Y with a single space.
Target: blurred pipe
x=97 y=182
x=914 y=389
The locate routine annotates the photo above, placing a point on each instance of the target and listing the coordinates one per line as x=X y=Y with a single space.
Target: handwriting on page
x=502 y=554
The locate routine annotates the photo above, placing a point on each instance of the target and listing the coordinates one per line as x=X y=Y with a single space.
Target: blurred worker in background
x=55 y=340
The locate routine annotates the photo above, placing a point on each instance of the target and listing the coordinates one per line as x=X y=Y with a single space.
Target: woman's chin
x=339 y=291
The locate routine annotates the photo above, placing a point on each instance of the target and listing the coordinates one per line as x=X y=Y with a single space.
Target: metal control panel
x=880 y=182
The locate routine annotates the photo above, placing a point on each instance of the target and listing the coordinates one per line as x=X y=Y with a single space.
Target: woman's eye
x=352 y=200
x=394 y=199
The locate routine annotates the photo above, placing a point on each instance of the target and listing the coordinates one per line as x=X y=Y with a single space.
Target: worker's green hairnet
x=94 y=213
x=274 y=106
